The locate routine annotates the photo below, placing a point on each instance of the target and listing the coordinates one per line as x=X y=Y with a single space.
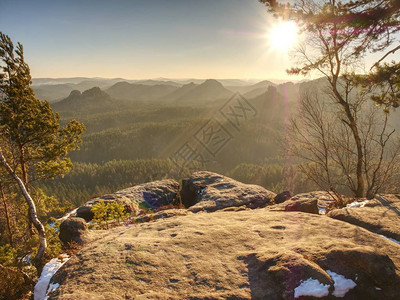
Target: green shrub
x=105 y=212
x=15 y=284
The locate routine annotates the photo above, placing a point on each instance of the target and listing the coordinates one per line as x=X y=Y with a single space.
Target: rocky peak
x=94 y=92
x=212 y=83
x=191 y=84
x=75 y=93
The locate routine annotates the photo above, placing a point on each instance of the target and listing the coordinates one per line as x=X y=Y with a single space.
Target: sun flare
x=283 y=36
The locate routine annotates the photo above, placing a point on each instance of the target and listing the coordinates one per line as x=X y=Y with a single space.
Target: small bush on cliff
x=105 y=212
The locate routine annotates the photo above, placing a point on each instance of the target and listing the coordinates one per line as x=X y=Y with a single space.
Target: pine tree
x=34 y=146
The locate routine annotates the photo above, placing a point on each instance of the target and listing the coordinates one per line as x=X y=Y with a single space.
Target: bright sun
x=283 y=36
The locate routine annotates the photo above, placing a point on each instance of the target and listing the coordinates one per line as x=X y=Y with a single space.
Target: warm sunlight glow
x=283 y=36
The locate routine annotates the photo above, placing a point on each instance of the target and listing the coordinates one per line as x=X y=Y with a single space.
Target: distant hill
x=46 y=81
x=182 y=91
x=210 y=90
x=158 y=82
x=93 y=99
x=254 y=90
x=224 y=82
x=139 y=92
x=235 y=82
x=73 y=80
x=88 y=84
x=54 y=90
x=255 y=93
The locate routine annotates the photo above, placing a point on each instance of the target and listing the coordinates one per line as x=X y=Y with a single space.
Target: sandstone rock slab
x=207 y=191
x=250 y=254
x=380 y=215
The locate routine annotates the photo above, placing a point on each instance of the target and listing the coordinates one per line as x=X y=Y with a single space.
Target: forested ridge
x=136 y=144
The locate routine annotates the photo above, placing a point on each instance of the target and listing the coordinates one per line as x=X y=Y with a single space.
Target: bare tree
x=338 y=36
x=324 y=142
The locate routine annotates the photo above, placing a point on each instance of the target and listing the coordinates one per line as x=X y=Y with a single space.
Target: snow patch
x=311 y=287
x=27 y=258
x=357 y=204
x=71 y=213
x=48 y=271
x=341 y=284
x=201 y=192
x=390 y=239
x=52 y=288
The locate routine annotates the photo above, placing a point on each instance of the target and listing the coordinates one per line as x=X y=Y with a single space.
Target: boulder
x=207 y=191
x=85 y=212
x=325 y=199
x=73 y=230
x=142 y=197
x=303 y=205
x=191 y=192
x=282 y=197
x=371 y=270
x=312 y=202
x=280 y=273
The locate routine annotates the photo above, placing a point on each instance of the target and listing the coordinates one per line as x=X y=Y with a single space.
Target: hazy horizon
x=245 y=80
x=141 y=39
x=145 y=39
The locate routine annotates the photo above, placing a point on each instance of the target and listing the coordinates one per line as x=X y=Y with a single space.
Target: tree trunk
x=23 y=168
x=32 y=213
x=10 y=234
x=30 y=229
x=359 y=192
x=360 y=157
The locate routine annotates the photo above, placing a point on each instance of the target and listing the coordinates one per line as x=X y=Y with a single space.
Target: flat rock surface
x=380 y=215
x=163 y=214
x=249 y=254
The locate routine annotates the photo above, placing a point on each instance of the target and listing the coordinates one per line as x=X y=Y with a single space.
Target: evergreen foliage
x=33 y=147
x=105 y=212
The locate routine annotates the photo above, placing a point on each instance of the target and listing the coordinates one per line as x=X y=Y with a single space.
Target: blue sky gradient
x=140 y=39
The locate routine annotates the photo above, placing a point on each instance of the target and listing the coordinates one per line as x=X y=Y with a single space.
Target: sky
x=141 y=39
